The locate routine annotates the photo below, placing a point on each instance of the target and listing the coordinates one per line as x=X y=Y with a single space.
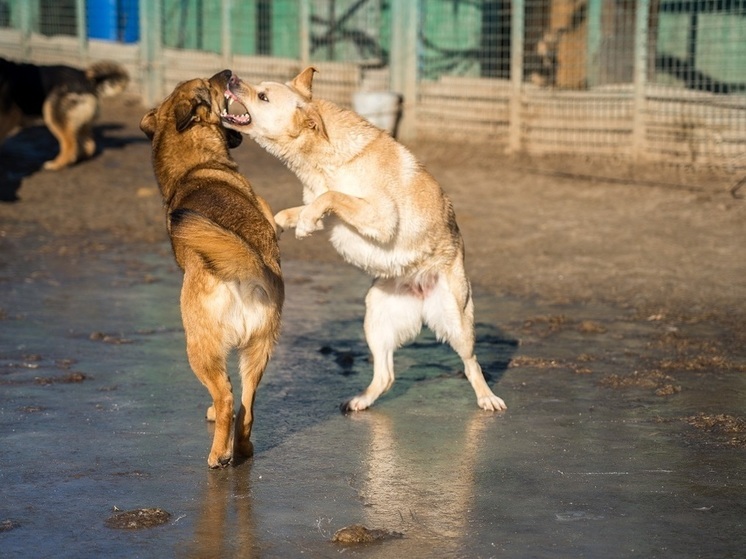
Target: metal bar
x=517 y=34
x=594 y=42
x=640 y=70
x=226 y=46
x=405 y=21
x=81 y=30
x=305 y=32
x=151 y=65
x=24 y=20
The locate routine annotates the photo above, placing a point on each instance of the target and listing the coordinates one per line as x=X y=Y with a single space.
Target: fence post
x=226 y=46
x=81 y=23
x=405 y=21
x=593 y=58
x=305 y=32
x=517 y=25
x=640 y=78
x=24 y=20
x=151 y=65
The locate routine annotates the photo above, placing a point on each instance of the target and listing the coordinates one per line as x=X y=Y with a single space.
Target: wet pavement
x=99 y=413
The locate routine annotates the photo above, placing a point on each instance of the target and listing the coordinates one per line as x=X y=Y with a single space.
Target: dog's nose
x=226 y=74
x=234 y=79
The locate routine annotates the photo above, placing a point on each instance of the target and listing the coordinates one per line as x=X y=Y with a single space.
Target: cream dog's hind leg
x=448 y=310
x=392 y=318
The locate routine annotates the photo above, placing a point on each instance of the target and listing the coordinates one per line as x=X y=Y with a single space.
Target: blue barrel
x=129 y=21
x=102 y=16
x=113 y=20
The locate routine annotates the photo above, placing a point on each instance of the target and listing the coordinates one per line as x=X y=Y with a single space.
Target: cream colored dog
x=386 y=214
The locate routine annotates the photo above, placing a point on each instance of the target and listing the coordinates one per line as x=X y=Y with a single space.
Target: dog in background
x=66 y=98
x=224 y=239
x=386 y=214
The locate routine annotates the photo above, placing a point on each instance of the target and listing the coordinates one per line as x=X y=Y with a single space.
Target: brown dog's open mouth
x=234 y=111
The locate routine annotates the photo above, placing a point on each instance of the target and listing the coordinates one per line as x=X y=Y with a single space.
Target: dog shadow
x=424 y=359
x=24 y=154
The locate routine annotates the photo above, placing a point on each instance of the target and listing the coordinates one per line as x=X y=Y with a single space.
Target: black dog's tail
x=109 y=78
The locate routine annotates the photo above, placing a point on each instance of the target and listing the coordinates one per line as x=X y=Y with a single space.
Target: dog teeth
x=244 y=118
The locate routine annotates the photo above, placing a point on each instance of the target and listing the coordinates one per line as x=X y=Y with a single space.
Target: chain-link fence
x=644 y=79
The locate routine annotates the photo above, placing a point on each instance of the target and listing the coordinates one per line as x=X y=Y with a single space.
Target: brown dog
x=224 y=239
x=385 y=214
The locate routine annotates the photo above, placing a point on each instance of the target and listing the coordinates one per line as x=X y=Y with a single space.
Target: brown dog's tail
x=109 y=78
x=224 y=253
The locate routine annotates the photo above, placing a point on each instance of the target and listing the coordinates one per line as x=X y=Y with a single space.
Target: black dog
x=66 y=98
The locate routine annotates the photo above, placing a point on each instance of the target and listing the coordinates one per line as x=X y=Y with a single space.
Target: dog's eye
x=263 y=97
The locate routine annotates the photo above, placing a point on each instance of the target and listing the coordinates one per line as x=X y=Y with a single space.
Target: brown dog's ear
x=233 y=138
x=147 y=124
x=302 y=82
x=184 y=114
x=315 y=122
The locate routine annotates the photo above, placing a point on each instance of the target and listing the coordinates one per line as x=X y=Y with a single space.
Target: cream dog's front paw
x=287 y=219
x=308 y=222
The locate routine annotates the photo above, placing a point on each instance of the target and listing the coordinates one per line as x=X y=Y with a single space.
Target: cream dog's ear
x=303 y=82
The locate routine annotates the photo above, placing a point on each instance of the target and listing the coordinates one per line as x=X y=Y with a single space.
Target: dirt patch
x=70 y=378
x=660 y=383
x=728 y=430
x=108 y=338
x=359 y=534
x=13 y=372
x=702 y=363
x=8 y=525
x=138 y=519
x=577 y=366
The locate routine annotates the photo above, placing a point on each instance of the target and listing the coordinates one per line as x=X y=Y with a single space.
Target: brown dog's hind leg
x=252 y=362
x=207 y=351
x=210 y=369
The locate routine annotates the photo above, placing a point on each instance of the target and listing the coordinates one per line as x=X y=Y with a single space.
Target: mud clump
x=108 y=339
x=660 y=383
x=544 y=326
x=71 y=378
x=359 y=534
x=729 y=429
x=591 y=327
x=525 y=361
x=137 y=519
x=8 y=525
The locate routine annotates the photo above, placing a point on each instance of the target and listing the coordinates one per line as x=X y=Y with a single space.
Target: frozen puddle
x=574 y=468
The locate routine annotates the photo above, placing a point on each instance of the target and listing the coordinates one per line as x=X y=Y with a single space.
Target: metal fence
x=640 y=79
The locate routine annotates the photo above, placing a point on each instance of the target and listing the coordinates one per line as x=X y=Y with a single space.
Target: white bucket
x=380 y=108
